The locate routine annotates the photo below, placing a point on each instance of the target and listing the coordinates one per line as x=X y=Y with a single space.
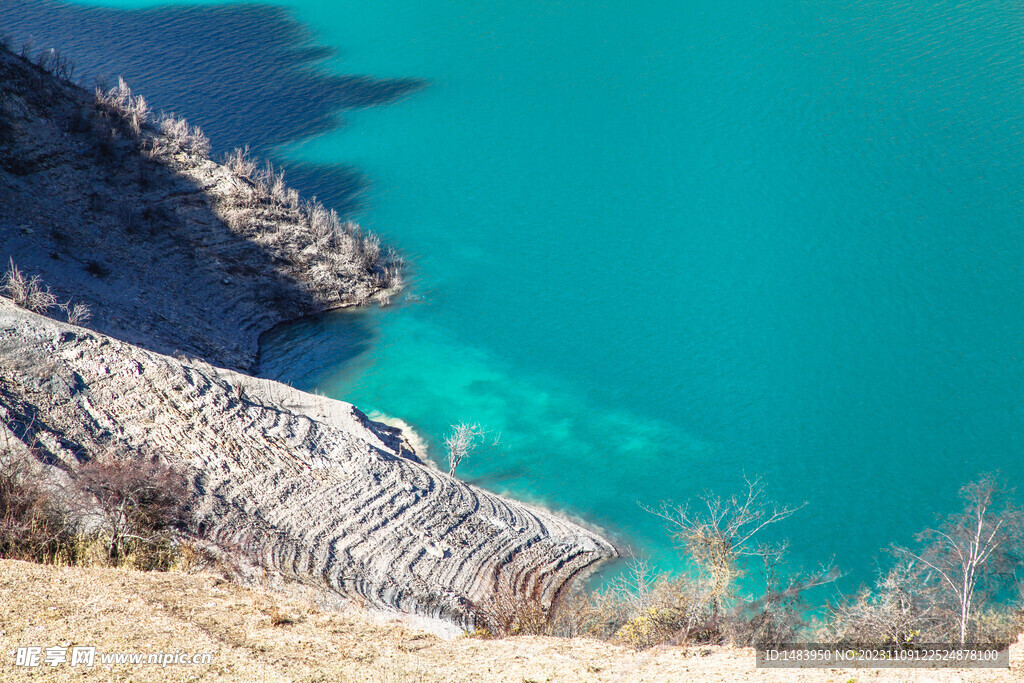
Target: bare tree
x=973 y=553
x=461 y=442
x=141 y=499
x=778 y=615
x=635 y=586
x=722 y=531
x=899 y=610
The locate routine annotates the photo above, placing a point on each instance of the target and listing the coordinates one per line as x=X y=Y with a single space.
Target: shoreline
x=184 y=264
x=416 y=442
x=123 y=211
x=426 y=454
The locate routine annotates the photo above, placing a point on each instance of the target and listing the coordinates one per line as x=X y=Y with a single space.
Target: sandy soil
x=116 y=610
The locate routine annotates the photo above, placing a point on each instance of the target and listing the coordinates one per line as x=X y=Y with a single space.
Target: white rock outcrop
x=302 y=486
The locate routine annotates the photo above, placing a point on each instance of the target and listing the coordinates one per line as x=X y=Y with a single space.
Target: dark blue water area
x=310 y=355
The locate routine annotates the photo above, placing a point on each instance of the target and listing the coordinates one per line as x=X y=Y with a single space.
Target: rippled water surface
x=656 y=247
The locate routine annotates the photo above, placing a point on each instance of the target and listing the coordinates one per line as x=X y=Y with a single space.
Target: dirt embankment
x=299 y=485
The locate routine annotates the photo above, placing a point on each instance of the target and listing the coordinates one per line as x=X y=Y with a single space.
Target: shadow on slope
x=140 y=237
x=245 y=73
x=242 y=72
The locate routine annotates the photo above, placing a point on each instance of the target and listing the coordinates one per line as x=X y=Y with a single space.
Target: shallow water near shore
x=657 y=248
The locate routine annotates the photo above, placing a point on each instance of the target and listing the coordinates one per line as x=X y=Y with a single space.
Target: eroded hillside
x=183 y=262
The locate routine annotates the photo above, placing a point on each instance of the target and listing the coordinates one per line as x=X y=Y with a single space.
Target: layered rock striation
x=297 y=484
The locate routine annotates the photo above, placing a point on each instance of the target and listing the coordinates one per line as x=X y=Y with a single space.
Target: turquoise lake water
x=658 y=246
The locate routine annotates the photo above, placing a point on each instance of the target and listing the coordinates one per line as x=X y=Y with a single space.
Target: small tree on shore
x=973 y=554
x=723 y=531
x=722 y=538
x=461 y=442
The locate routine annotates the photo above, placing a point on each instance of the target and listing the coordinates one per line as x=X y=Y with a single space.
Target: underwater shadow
x=300 y=354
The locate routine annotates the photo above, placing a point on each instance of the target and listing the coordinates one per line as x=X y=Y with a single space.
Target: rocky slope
x=294 y=483
x=177 y=254
x=122 y=210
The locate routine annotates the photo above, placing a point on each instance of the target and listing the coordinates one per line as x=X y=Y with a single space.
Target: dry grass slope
x=257 y=636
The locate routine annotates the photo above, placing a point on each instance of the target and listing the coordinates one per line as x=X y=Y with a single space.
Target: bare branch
x=461 y=442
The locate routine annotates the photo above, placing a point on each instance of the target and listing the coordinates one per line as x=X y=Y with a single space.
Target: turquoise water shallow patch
x=661 y=247
x=606 y=444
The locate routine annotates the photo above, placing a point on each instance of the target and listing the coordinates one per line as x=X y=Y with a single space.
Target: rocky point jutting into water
x=183 y=262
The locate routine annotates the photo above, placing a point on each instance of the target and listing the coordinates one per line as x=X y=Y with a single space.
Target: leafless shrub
x=32 y=526
x=778 y=615
x=177 y=136
x=76 y=314
x=121 y=509
x=656 y=608
x=369 y=253
x=513 y=610
x=143 y=504
x=131 y=109
x=461 y=442
x=392 y=271
x=590 y=614
x=635 y=587
x=322 y=224
x=996 y=624
x=240 y=163
x=28 y=292
x=896 y=611
x=325 y=249
x=55 y=62
x=272 y=190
